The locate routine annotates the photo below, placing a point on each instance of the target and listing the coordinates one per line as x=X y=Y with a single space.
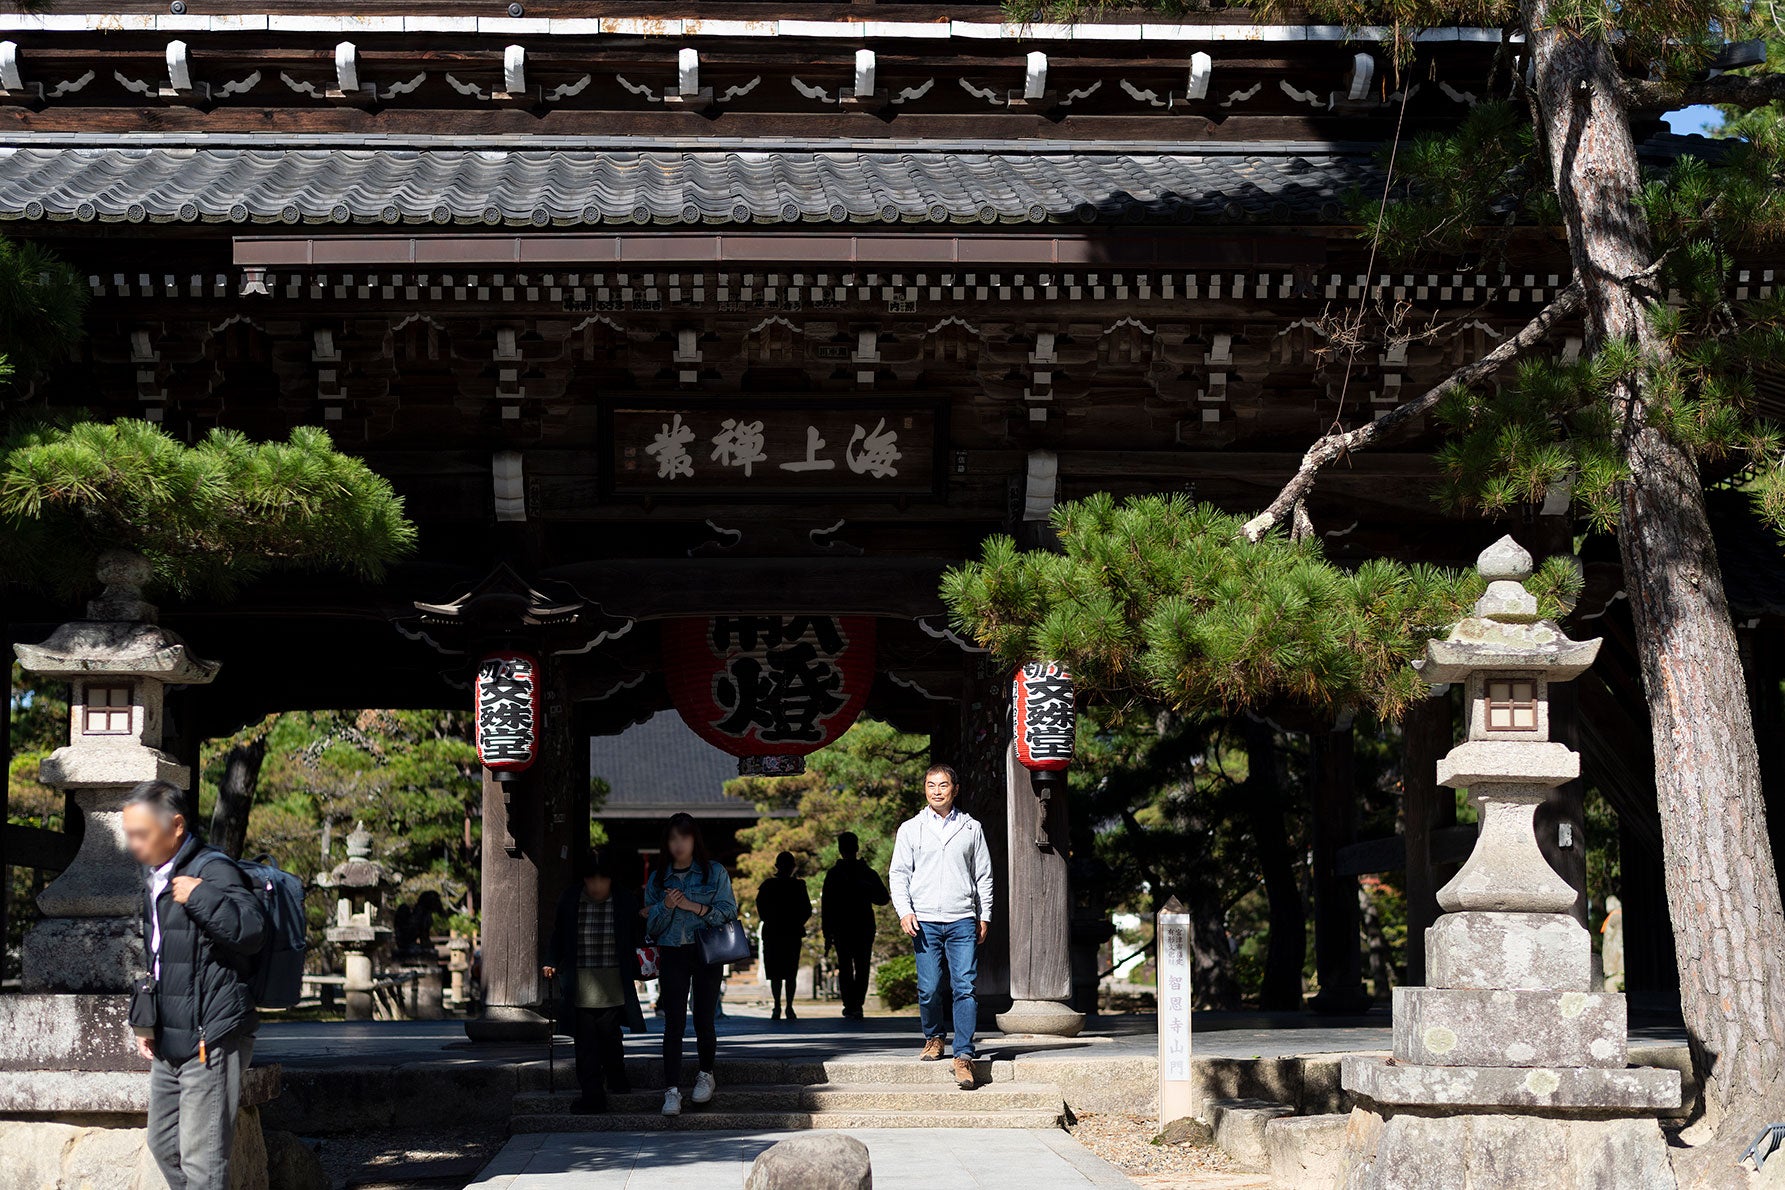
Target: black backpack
x=277 y=977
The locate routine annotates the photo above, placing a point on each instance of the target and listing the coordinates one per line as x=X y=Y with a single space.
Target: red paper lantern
x=1043 y=720
x=507 y=712
x=769 y=689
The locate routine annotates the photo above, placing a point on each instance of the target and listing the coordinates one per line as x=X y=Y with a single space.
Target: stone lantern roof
x=359 y=870
x=1505 y=633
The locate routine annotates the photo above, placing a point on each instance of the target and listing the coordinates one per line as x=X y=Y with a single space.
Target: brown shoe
x=932 y=1050
x=963 y=1073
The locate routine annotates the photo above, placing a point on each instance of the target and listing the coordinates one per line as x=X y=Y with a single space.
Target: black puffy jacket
x=208 y=946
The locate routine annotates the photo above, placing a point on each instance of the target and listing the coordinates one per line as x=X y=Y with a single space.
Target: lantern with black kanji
x=1043 y=723
x=507 y=713
x=769 y=689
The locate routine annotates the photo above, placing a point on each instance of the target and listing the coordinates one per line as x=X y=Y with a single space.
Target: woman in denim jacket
x=687 y=893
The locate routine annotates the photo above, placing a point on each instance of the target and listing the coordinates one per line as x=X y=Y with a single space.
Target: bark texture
x=1722 y=889
x=235 y=795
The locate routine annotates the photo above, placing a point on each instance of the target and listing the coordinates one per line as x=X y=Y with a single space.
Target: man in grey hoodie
x=941 y=883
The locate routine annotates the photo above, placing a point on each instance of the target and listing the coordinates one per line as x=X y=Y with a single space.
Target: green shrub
x=896 y=981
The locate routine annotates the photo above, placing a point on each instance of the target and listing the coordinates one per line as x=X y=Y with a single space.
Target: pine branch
x=1334 y=446
x=1733 y=90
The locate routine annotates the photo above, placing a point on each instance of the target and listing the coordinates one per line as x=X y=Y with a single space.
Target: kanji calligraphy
x=777 y=448
x=1173 y=964
x=507 y=712
x=761 y=686
x=1043 y=711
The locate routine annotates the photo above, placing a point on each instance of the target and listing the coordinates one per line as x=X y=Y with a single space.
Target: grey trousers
x=192 y=1114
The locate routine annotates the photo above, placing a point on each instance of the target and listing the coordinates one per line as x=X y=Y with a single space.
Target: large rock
x=1305 y=1151
x=1518 y=951
x=89 y=1156
x=292 y=1164
x=819 y=1161
x=1471 y=1027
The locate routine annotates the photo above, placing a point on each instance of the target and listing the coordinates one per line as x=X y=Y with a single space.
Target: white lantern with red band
x=507 y=713
x=769 y=689
x=1043 y=719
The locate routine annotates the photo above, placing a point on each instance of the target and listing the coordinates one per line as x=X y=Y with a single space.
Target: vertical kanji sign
x=1042 y=707
x=769 y=686
x=507 y=711
x=1171 y=960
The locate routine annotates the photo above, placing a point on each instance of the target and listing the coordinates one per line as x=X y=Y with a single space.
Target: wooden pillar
x=1040 y=910
x=975 y=745
x=1338 y=956
x=559 y=782
x=510 y=921
x=1561 y=821
x=1426 y=806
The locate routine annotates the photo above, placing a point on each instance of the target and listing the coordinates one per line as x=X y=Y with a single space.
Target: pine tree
x=209 y=517
x=1661 y=404
x=41 y=303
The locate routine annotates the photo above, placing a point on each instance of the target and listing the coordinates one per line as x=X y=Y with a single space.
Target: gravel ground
x=1126 y=1143
x=408 y=1160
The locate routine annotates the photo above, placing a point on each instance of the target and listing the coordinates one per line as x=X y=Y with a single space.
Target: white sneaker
x=704 y=1086
x=672 y=1102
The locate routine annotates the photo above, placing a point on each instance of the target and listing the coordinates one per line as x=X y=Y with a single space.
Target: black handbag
x=729 y=943
x=145 y=1008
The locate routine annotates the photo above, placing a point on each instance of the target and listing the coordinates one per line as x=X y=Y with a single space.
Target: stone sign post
x=1507 y=1060
x=1171 y=964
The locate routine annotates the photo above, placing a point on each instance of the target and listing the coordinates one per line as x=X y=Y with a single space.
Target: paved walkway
x=903 y=1159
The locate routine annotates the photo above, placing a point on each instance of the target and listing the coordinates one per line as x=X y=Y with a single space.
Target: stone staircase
x=762 y=1094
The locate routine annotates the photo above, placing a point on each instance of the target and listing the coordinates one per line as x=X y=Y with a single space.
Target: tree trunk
x=1281 y=989
x=235 y=795
x=1338 y=953
x=1722 y=889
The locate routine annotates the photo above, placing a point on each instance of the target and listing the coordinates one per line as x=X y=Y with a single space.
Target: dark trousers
x=853 y=958
x=600 y=1051
x=678 y=969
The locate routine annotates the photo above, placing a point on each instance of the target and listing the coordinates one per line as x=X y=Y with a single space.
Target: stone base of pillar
x=82 y=954
x=1390 y=1148
x=67 y=1032
x=1053 y=1018
x=507 y=1023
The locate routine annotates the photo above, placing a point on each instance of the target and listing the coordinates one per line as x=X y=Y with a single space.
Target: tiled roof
x=661 y=765
x=571 y=186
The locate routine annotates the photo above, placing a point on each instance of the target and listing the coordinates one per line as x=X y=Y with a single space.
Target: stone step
x=1305 y=1151
x=698 y=1119
x=646 y=1072
x=824 y=1097
x=1239 y=1126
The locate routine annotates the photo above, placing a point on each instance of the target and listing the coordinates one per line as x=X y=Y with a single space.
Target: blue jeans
x=956 y=944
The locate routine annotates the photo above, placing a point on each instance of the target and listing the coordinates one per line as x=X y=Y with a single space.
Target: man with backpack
x=204 y=927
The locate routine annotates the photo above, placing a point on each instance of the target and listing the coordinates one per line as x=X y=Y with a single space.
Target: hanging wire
x=1363 y=296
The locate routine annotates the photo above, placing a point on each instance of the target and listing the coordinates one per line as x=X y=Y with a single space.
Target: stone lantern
x=1507 y=1060
x=360 y=932
x=118 y=664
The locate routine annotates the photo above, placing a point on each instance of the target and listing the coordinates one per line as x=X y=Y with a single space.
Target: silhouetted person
x=846 y=912
x=785 y=908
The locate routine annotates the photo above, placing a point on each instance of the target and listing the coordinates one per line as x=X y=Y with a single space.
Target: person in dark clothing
x=846 y=907
x=784 y=907
x=594 y=952
x=203 y=925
